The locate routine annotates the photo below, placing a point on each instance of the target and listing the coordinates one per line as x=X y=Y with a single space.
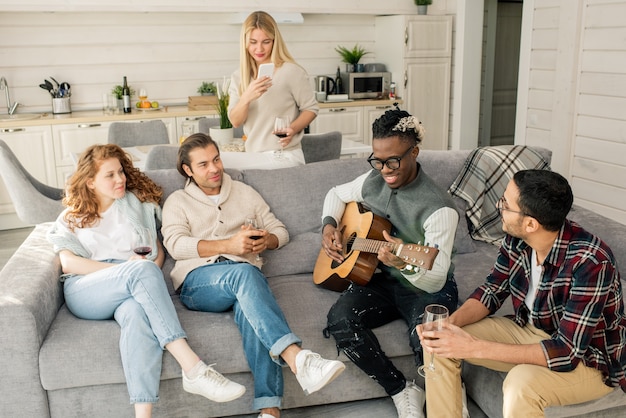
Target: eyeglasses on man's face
x=392 y=163
x=501 y=206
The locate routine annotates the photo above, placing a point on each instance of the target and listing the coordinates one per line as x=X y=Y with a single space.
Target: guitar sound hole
x=346 y=251
x=349 y=244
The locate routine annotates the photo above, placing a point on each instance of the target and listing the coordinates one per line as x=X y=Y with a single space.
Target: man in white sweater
x=217 y=269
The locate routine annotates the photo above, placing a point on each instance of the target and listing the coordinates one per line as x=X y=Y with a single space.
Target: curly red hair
x=81 y=200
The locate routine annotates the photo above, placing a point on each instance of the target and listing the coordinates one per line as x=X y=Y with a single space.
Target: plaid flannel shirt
x=578 y=303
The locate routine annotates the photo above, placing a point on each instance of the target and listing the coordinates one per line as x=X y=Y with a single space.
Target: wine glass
x=281 y=123
x=142 y=241
x=251 y=221
x=434 y=318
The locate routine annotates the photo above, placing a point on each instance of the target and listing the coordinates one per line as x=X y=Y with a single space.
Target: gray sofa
x=55 y=364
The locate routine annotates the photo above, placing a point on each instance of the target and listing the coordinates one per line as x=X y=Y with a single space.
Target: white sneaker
x=212 y=385
x=410 y=402
x=315 y=372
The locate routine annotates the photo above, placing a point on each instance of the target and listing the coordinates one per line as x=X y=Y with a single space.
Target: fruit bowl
x=147 y=109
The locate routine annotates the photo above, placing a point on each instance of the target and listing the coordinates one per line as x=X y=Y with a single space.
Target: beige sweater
x=189 y=216
x=291 y=94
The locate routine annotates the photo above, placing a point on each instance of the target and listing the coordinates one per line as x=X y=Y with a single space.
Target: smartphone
x=266 y=70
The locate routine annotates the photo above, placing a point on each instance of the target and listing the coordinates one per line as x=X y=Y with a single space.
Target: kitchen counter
x=90 y=116
x=360 y=102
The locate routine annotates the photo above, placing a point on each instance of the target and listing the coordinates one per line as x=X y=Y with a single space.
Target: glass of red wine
x=281 y=123
x=142 y=244
x=253 y=223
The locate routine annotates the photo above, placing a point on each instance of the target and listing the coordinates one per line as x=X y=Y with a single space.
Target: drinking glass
x=142 y=241
x=281 y=123
x=252 y=221
x=434 y=318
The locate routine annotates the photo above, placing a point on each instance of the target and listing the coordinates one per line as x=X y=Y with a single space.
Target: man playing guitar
x=398 y=190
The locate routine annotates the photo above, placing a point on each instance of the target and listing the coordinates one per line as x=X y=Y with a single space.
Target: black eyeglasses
x=500 y=206
x=392 y=163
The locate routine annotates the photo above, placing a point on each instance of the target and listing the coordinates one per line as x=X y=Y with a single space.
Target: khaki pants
x=527 y=389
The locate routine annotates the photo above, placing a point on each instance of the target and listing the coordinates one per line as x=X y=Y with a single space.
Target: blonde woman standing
x=256 y=102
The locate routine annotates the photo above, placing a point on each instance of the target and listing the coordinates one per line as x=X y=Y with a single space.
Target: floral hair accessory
x=410 y=123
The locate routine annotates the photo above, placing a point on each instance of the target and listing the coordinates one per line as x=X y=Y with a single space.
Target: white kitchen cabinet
x=346 y=119
x=71 y=140
x=353 y=121
x=417 y=50
x=32 y=145
x=371 y=113
x=190 y=120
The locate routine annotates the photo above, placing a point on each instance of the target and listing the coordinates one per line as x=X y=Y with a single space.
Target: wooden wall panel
x=169 y=54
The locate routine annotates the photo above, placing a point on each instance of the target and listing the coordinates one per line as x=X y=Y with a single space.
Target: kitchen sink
x=19 y=116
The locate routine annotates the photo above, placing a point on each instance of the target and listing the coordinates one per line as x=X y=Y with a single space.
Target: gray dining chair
x=132 y=134
x=34 y=201
x=321 y=147
x=161 y=157
x=204 y=124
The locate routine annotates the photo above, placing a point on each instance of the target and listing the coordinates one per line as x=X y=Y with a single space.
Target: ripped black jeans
x=361 y=308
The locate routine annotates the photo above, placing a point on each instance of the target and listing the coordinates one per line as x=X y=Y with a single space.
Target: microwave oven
x=367 y=85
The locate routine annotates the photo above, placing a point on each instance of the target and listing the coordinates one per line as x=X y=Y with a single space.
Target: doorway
x=503 y=23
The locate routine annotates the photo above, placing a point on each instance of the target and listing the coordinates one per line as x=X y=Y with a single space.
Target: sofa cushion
x=297 y=257
x=295 y=198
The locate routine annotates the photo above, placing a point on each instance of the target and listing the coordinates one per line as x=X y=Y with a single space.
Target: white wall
x=573 y=95
x=169 y=54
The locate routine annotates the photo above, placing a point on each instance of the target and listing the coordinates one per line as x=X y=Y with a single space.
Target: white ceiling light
x=284 y=18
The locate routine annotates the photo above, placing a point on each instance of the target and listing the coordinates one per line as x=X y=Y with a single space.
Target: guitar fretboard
x=370 y=245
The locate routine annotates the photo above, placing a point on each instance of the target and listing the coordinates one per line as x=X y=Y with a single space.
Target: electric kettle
x=325 y=84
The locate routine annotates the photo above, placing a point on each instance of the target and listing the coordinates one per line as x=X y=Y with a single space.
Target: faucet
x=10 y=107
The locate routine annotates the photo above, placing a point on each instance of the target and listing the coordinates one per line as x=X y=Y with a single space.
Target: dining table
x=234 y=156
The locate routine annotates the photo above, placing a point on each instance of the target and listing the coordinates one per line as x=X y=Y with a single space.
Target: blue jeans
x=135 y=294
x=264 y=330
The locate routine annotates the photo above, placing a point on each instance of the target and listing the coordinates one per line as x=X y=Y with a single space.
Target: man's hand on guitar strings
x=385 y=254
x=331 y=242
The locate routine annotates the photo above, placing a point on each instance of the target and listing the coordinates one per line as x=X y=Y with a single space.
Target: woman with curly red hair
x=110 y=202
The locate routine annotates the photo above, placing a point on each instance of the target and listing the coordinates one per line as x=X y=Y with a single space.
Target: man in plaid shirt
x=569 y=313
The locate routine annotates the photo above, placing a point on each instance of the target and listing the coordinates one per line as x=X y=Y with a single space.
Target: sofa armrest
x=30 y=297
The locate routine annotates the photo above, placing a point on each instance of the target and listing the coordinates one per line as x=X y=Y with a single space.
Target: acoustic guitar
x=362 y=237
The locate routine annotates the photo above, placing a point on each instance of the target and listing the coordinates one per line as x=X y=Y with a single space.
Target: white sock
x=196 y=370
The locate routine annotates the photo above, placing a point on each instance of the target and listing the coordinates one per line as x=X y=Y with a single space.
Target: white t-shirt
x=535 y=277
x=111 y=238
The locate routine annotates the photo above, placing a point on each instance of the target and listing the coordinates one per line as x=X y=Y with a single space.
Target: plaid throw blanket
x=482 y=182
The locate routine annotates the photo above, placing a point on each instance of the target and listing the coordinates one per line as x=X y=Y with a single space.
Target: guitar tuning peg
x=436 y=246
x=421 y=262
x=426 y=250
x=419 y=242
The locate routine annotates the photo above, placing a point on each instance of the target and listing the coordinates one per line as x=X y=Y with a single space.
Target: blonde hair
x=83 y=206
x=280 y=54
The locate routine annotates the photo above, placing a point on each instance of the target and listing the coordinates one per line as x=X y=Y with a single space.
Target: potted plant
x=422 y=6
x=207 y=88
x=117 y=92
x=352 y=57
x=223 y=134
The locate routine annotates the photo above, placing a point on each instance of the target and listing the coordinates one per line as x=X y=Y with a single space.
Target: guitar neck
x=414 y=254
x=372 y=245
